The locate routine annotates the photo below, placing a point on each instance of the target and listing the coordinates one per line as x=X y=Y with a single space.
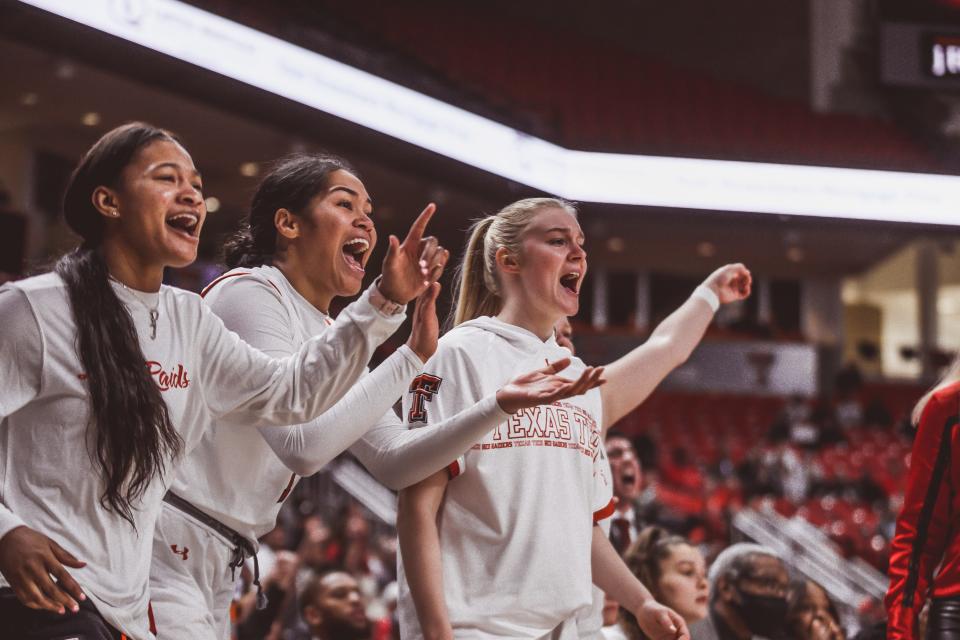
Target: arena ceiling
x=223 y=138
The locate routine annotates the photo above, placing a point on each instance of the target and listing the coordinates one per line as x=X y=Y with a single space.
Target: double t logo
x=423 y=388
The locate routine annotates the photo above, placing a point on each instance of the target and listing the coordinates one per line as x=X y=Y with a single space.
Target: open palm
x=544 y=386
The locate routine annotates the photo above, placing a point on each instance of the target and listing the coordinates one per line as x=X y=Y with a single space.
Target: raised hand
x=661 y=623
x=731 y=282
x=544 y=386
x=426 y=328
x=409 y=267
x=28 y=559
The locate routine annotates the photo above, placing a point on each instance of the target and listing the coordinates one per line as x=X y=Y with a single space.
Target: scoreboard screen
x=942 y=56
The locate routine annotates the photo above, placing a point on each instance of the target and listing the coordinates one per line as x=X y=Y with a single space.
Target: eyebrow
x=567 y=230
x=340 y=187
x=174 y=165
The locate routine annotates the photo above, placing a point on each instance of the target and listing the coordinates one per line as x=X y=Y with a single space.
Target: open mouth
x=354 y=252
x=628 y=478
x=186 y=223
x=571 y=282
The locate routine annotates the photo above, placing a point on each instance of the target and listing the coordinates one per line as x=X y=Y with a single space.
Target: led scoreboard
x=920 y=43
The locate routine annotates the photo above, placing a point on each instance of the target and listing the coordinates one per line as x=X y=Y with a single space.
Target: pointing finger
x=419 y=226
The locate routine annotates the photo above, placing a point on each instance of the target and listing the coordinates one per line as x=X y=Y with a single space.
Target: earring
x=115 y=213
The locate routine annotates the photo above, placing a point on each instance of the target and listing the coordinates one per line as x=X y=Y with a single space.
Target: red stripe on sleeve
x=220 y=279
x=606 y=512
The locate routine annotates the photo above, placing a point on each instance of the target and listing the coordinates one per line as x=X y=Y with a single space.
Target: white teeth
x=361 y=245
x=184 y=221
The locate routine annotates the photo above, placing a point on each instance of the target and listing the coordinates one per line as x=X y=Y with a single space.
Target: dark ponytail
x=292 y=183
x=133 y=435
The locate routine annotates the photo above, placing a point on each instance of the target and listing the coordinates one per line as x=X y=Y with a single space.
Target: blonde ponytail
x=949 y=377
x=472 y=291
x=477 y=289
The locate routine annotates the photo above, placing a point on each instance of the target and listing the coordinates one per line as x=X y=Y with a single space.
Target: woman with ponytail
x=502 y=542
x=109 y=378
x=925 y=551
x=309 y=232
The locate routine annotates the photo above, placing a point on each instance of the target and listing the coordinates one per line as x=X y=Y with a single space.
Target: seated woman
x=675 y=573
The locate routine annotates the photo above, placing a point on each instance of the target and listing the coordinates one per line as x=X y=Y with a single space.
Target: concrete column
x=764 y=303
x=928 y=281
x=601 y=299
x=641 y=317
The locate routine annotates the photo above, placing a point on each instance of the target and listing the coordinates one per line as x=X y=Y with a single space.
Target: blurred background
x=788 y=425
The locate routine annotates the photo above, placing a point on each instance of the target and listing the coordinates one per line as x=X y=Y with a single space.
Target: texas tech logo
x=180 y=552
x=423 y=388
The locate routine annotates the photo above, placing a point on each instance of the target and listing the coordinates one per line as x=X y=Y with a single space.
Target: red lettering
x=423 y=388
x=550 y=416
x=564 y=419
x=536 y=422
x=173 y=379
x=514 y=430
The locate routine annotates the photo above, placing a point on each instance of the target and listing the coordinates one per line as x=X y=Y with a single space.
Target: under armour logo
x=423 y=388
x=182 y=554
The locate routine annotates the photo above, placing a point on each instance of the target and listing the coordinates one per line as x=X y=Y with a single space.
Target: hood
x=517 y=337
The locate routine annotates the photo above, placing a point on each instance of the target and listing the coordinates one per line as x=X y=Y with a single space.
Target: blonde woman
x=673 y=570
x=503 y=543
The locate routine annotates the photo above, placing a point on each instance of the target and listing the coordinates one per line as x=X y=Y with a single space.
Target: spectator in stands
x=625 y=467
x=673 y=570
x=253 y=623
x=748 y=586
x=333 y=609
x=925 y=552
x=810 y=613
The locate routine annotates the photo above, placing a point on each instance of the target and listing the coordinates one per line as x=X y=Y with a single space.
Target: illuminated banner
x=257 y=59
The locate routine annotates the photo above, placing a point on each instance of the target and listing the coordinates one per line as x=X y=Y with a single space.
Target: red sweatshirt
x=928 y=528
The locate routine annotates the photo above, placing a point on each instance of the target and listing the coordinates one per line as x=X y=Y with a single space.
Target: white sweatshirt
x=241 y=472
x=50 y=483
x=516 y=522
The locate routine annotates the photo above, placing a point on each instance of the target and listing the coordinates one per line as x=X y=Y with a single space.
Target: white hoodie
x=516 y=523
x=48 y=479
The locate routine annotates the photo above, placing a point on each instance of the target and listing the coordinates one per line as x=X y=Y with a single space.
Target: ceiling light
x=91 y=119
x=249 y=169
x=29 y=99
x=616 y=244
x=706 y=249
x=213 y=204
x=65 y=70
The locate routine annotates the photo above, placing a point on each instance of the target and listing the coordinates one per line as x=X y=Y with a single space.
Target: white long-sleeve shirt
x=49 y=479
x=241 y=472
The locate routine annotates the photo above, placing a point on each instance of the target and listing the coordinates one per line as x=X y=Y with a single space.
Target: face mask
x=764 y=615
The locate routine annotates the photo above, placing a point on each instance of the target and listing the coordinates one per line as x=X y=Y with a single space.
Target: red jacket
x=928 y=528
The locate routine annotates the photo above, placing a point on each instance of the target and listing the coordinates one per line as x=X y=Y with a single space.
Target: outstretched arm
x=399 y=457
x=634 y=376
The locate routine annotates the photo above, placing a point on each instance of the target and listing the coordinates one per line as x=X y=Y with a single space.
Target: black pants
x=20 y=622
x=944 y=623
